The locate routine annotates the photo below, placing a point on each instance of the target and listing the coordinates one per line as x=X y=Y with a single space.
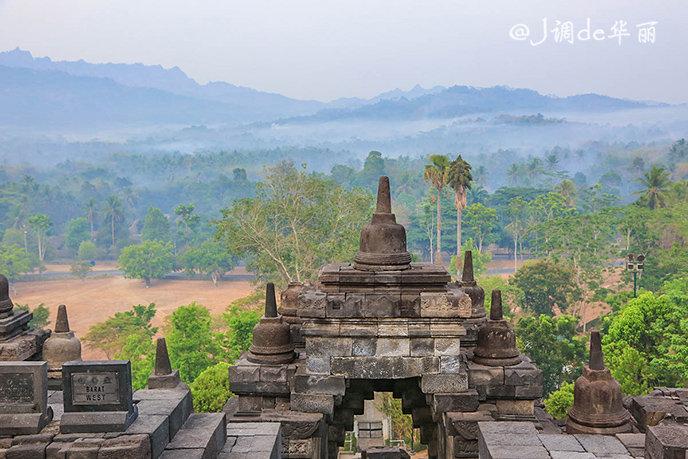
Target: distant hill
x=41 y=93
x=252 y=103
x=55 y=100
x=464 y=100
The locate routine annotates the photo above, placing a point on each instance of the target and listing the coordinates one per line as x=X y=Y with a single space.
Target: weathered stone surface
x=318 y=384
x=393 y=347
x=444 y=383
x=421 y=347
x=666 y=442
x=205 y=431
x=125 y=447
x=601 y=445
x=364 y=347
x=176 y=405
x=156 y=427
x=452 y=364
x=383 y=367
x=515 y=407
x=462 y=401
x=561 y=442
x=447 y=346
x=312 y=304
x=310 y=403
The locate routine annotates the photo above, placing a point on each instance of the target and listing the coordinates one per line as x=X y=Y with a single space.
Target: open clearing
x=93 y=300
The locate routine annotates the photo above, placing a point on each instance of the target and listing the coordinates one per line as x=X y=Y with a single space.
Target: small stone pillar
x=62 y=346
x=271 y=337
x=383 y=240
x=597 y=399
x=163 y=376
x=496 y=339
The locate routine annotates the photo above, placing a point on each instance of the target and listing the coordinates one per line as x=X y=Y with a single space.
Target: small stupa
x=164 y=377
x=62 y=346
x=272 y=342
x=383 y=240
x=496 y=338
x=597 y=398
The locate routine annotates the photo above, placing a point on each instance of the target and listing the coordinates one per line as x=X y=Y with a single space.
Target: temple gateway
x=381 y=323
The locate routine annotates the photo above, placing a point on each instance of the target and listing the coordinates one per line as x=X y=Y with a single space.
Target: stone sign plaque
x=97 y=396
x=16 y=388
x=24 y=406
x=95 y=388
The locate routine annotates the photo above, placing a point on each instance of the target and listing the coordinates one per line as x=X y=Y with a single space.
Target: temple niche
x=383 y=323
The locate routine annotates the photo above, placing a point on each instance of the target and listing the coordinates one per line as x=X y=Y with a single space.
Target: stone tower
x=380 y=324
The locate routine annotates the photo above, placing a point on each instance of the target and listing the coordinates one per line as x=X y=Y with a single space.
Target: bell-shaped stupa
x=272 y=342
x=383 y=240
x=496 y=339
x=597 y=399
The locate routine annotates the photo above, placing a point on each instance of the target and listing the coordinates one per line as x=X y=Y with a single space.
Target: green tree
x=210 y=258
x=87 y=251
x=13 y=261
x=111 y=335
x=114 y=213
x=295 y=224
x=41 y=315
x=187 y=223
x=40 y=223
x=210 y=389
x=402 y=424
x=459 y=178
x=191 y=342
x=546 y=284
x=655 y=185
x=148 y=260
x=552 y=343
x=518 y=225
x=481 y=222
x=156 y=227
x=78 y=231
x=373 y=168
x=240 y=323
x=646 y=342
x=436 y=173
x=567 y=188
x=560 y=401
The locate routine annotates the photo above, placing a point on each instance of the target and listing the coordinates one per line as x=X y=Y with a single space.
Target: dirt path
x=91 y=301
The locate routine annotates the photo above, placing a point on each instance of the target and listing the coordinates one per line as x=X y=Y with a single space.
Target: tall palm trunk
x=112 y=229
x=459 y=216
x=438 y=243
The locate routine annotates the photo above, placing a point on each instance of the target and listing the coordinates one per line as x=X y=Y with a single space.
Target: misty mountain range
x=39 y=93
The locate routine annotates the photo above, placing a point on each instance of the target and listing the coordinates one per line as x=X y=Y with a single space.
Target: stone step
x=252 y=440
x=202 y=436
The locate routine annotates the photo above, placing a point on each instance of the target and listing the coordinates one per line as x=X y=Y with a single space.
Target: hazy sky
x=324 y=49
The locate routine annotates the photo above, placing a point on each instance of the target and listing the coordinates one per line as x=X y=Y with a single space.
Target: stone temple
x=380 y=323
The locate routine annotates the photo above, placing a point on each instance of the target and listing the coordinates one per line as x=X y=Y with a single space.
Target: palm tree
x=656 y=183
x=514 y=174
x=459 y=178
x=567 y=188
x=91 y=214
x=436 y=174
x=114 y=212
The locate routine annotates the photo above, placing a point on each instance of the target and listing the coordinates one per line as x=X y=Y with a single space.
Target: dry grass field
x=93 y=300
